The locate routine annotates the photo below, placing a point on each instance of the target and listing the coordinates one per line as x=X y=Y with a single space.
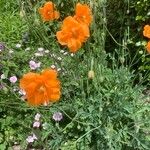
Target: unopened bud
x=22 y=13
x=122 y=60
x=91 y=74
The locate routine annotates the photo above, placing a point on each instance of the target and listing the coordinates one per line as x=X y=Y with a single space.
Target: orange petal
x=62 y=37
x=83 y=13
x=148 y=47
x=36 y=99
x=41 y=10
x=49 y=6
x=54 y=97
x=27 y=79
x=49 y=74
x=69 y=22
x=52 y=84
x=74 y=45
x=146 y=31
x=56 y=14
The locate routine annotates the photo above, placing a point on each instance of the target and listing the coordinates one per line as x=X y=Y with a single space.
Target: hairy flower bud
x=91 y=74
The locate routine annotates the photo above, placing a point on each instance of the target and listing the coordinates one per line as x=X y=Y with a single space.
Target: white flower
x=38 y=54
x=18 y=45
x=65 y=53
x=37 y=117
x=3 y=76
x=62 y=51
x=53 y=66
x=72 y=54
x=27 y=49
x=40 y=49
x=46 y=51
x=11 y=51
x=59 y=69
x=138 y=43
x=53 y=55
x=59 y=58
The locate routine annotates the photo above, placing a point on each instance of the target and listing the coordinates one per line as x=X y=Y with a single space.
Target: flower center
x=42 y=89
x=49 y=12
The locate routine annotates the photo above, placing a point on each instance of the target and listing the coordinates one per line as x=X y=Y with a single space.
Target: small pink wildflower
x=30 y=139
x=33 y=65
x=36 y=124
x=13 y=79
x=57 y=116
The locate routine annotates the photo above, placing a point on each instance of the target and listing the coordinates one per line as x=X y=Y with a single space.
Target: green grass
x=11 y=24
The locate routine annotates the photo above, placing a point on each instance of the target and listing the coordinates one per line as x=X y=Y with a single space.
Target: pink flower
x=57 y=116
x=33 y=65
x=36 y=124
x=30 y=139
x=13 y=79
x=37 y=117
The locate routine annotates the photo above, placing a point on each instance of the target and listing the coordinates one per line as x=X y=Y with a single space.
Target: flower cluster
x=75 y=29
x=45 y=87
x=37 y=123
x=41 y=88
x=146 y=33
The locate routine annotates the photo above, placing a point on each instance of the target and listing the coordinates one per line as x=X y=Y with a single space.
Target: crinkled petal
x=74 y=45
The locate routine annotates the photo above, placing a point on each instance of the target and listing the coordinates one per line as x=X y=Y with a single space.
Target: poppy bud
x=122 y=60
x=22 y=13
x=91 y=74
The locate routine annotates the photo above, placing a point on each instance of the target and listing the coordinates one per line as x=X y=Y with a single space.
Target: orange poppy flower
x=72 y=34
x=48 y=13
x=83 y=14
x=148 y=47
x=41 y=88
x=146 y=31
